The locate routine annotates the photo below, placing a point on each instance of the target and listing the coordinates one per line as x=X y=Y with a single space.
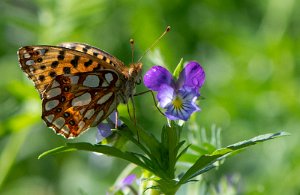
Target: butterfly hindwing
x=73 y=103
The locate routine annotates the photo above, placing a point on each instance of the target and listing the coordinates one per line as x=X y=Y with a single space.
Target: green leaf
x=145 y=140
x=188 y=158
x=168 y=187
x=127 y=133
x=169 y=147
x=205 y=162
x=204 y=148
x=111 y=151
x=178 y=69
x=182 y=151
x=150 y=146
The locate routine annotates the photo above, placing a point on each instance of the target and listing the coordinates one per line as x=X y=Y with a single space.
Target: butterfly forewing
x=102 y=55
x=80 y=85
x=73 y=103
x=43 y=63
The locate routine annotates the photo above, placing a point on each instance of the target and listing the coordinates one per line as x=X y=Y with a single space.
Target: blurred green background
x=251 y=53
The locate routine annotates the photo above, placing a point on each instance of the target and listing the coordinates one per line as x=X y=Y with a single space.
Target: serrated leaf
x=108 y=150
x=205 y=162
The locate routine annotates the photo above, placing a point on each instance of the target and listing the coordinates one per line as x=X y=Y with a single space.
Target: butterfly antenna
x=155 y=42
x=132 y=50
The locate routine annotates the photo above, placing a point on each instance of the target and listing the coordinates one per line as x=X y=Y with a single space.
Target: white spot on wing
x=104 y=98
x=112 y=107
x=82 y=111
x=81 y=125
x=104 y=84
x=118 y=83
x=31 y=69
x=98 y=117
x=49 y=118
x=51 y=104
x=65 y=129
x=91 y=81
x=42 y=51
x=53 y=92
x=29 y=62
x=55 y=84
x=26 y=55
x=82 y=100
x=89 y=113
x=59 y=122
x=74 y=79
x=108 y=77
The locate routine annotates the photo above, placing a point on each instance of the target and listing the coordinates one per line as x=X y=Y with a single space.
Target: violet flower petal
x=165 y=95
x=192 y=76
x=127 y=181
x=104 y=129
x=188 y=98
x=156 y=77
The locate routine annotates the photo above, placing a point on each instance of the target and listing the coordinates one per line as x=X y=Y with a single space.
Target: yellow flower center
x=177 y=102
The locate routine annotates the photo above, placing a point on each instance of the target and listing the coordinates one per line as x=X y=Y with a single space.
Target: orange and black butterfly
x=79 y=85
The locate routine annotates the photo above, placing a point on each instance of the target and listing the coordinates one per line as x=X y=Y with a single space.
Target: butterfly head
x=135 y=72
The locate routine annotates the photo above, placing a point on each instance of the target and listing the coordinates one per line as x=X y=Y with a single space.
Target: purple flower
x=123 y=185
x=178 y=97
x=104 y=129
x=127 y=181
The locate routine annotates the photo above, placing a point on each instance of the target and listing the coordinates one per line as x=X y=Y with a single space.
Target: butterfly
x=80 y=85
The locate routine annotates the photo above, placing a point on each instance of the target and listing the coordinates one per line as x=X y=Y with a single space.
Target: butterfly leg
x=133 y=106
x=153 y=96
x=155 y=104
x=128 y=110
x=134 y=118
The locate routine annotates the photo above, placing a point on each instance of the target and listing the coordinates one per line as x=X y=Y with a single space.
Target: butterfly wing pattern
x=79 y=85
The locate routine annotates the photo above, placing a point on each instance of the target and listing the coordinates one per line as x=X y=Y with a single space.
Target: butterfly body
x=79 y=85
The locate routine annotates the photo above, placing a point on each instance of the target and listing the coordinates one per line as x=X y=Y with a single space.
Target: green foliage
x=249 y=50
x=178 y=69
x=160 y=158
